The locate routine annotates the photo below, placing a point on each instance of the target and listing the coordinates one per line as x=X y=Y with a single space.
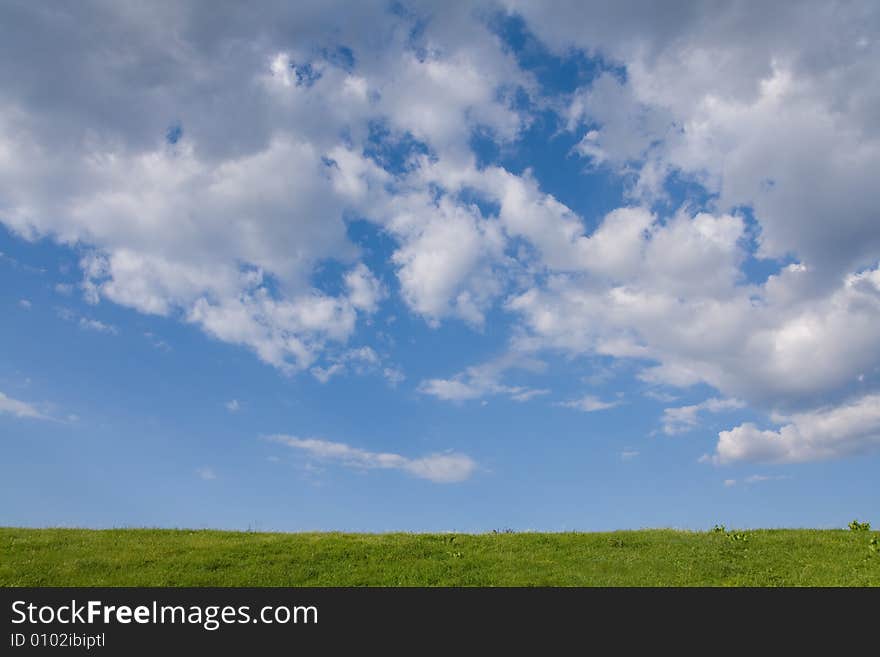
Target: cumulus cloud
x=685 y=305
x=208 y=176
x=365 y=290
x=211 y=178
x=444 y=263
x=449 y=467
x=834 y=432
x=744 y=119
x=743 y=115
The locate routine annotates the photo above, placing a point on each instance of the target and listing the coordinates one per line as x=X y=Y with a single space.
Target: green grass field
x=146 y=557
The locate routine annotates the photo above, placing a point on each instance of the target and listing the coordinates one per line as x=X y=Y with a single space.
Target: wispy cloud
x=21 y=409
x=448 y=467
x=21 y=266
x=87 y=323
x=157 y=342
x=484 y=380
x=96 y=325
x=206 y=473
x=360 y=360
x=324 y=374
x=394 y=376
x=589 y=404
x=685 y=418
x=233 y=406
x=661 y=396
x=756 y=479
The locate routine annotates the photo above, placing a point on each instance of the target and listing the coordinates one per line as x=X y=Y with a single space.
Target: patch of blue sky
x=547 y=151
x=393 y=152
x=554 y=73
x=174 y=133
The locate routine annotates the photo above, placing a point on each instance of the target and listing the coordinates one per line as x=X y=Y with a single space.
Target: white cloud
x=588 y=404
x=850 y=428
x=661 y=396
x=394 y=375
x=628 y=454
x=360 y=360
x=741 y=101
x=478 y=381
x=684 y=305
x=20 y=409
x=528 y=394
x=773 y=113
x=324 y=374
x=365 y=290
x=362 y=356
x=450 y=389
x=206 y=473
x=263 y=145
x=684 y=418
x=288 y=334
x=448 y=467
x=25 y=303
x=744 y=118
x=758 y=479
x=96 y=325
x=158 y=343
x=233 y=406
x=627 y=129
x=445 y=261
x=87 y=323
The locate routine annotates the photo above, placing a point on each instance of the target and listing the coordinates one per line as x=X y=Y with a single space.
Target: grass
x=150 y=557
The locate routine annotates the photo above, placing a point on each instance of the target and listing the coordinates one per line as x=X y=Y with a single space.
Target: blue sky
x=419 y=270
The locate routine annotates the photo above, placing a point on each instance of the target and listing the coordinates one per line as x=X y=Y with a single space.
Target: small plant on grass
x=874 y=546
x=857 y=526
x=732 y=536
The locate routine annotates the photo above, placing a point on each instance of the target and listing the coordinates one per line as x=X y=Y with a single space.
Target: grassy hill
x=147 y=557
